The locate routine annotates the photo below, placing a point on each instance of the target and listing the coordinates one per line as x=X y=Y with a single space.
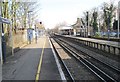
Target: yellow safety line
x=40 y=63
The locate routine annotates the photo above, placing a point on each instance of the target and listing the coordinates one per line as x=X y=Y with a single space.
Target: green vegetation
x=108 y=14
x=100 y=19
x=94 y=23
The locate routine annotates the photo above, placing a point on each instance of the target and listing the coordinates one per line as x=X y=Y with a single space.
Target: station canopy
x=65 y=28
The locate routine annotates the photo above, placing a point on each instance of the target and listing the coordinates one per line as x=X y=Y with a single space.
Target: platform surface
x=111 y=43
x=24 y=64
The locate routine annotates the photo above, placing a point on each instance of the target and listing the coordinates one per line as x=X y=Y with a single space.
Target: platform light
x=118 y=18
x=40 y=22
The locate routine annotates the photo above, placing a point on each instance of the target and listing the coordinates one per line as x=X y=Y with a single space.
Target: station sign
x=4 y=20
x=22 y=0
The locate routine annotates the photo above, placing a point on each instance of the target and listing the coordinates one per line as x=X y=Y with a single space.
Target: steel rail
x=63 y=64
x=112 y=67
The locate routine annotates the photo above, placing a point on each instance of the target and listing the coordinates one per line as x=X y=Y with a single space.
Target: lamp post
x=29 y=17
x=118 y=18
x=108 y=26
x=1 y=34
x=87 y=20
x=29 y=31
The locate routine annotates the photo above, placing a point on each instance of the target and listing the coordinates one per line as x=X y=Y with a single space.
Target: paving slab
x=24 y=64
x=49 y=70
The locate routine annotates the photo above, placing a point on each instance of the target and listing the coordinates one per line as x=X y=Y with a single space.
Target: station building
x=78 y=28
x=75 y=29
x=66 y=30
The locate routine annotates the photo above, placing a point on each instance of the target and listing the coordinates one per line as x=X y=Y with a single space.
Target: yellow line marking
x=40 y=63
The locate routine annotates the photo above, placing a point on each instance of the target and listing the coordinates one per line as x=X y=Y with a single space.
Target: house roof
x=78 y=23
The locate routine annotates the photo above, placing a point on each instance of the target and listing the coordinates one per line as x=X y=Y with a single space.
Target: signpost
x=6 y=21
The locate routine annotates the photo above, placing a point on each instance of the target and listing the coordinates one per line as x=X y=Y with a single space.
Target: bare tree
x=108 y=14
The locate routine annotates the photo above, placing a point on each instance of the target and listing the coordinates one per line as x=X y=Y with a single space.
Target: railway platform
x=107 y=46
x=111 y=43
x=32 y=62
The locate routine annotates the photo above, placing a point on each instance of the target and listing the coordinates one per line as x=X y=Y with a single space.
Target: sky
x=53 y=12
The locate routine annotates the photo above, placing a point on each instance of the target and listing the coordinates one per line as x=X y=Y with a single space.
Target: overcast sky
x=53 y=12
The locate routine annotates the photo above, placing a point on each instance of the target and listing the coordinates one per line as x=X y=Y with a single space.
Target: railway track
x=66 y=70
x=112 y=67
x=90 y=63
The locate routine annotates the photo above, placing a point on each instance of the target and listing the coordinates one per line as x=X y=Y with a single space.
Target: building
x=66 y=30
x=78 y=28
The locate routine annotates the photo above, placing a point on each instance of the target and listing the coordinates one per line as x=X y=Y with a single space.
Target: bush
x=97 y=34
